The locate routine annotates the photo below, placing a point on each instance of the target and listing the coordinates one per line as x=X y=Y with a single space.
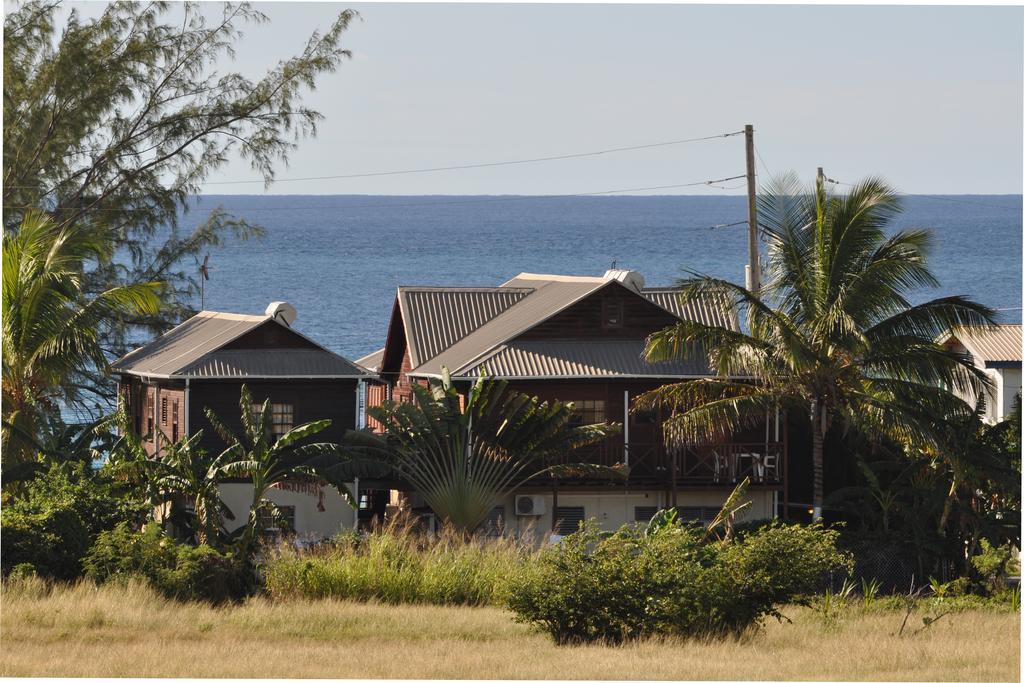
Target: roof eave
x=151 y=375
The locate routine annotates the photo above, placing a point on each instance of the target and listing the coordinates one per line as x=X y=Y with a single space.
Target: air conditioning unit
x=529 y=506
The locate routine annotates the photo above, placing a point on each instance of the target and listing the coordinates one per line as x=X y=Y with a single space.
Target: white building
x=996 y=350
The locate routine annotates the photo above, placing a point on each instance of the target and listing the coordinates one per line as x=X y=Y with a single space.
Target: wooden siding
x=311 y=399
x=145 y=406
x=270 y=335
x=583 y=320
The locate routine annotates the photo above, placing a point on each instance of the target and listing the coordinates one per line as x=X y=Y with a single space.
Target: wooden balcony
x=715 y=465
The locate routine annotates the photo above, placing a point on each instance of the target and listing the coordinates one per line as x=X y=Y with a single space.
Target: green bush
x=52 y=541
x=991 y=564
x=672 y=581
x=59 y=515
x=399 y=565
x=178 y=571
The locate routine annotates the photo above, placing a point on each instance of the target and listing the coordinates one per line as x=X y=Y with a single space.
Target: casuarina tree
x=114 y=117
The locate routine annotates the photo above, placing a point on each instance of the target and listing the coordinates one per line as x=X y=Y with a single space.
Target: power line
x=761 y=159
x=457 y=167
x=510 y=198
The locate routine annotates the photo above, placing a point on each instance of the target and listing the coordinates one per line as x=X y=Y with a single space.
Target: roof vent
x=629 y=278
x=282 y=311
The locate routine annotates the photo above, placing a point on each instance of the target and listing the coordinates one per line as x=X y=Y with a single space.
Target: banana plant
x=265 y=461
x=464 y=453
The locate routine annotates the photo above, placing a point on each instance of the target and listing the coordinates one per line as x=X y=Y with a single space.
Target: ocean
x=338 y=259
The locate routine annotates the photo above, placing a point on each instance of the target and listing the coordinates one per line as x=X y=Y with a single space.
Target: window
x=285 y=521
x=587 y=412
x=644 y=513
x=697 y=513
x=150 y=414
x=174 y=420
x=567 y=519
x=282 y=417
x=611 y=313
x=163 y=411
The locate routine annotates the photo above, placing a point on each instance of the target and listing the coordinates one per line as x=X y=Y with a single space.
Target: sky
x=930 y=98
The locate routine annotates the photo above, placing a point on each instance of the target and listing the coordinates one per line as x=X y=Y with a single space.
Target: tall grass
x=398 y=564
x=126 y=629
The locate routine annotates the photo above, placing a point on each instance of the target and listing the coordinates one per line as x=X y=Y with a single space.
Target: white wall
x=310 y=520
x=612 y=510
x=1011 y=385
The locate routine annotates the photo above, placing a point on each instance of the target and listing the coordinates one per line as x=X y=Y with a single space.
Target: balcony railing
x=716 y=464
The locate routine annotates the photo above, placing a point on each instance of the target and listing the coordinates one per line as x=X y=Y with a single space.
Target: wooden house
x=167 y=385
x=579 y=339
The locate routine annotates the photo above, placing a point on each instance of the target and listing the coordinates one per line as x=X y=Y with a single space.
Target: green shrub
x=991 y=565
x=178 y=571
x=52 y=541
x=399 y=565
x=673 y=581
x=60 y=514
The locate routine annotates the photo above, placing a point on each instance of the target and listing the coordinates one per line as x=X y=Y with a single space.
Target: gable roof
x=991 y=343
x=194 y=349
x=371 y=361
x=458 y=328
x=543 y=302
x=437 y=317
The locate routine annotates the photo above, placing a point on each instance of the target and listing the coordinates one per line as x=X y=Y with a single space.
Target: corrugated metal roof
x=547 y=299
x=271 y=363
x=565 y=358
x=708 y=311
x=992 y=344
x=540 y=297
x=371 y=361
x=189 y=345
x=202 y=333
x=437 y=317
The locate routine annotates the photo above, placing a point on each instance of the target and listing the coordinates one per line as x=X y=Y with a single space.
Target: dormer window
x=611 y=313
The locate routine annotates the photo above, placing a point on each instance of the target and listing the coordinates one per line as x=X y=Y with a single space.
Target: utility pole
x=821 y=177
x=754 y=254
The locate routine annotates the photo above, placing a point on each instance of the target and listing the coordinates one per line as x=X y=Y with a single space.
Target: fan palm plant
x=832 y=335
x=51 y=327
x=464 y=453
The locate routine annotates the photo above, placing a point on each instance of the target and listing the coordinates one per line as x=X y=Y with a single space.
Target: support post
x=675 y=467
x=355 y=494
x=185 y=407
x=554 y=505
x=157 y=429
x=785 y=465
x=753 y=249
x=625 y=428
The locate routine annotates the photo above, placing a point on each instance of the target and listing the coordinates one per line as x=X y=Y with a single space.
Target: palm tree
x=832 y=335
x=57 y=442
x=51 y=328
x=464 y=453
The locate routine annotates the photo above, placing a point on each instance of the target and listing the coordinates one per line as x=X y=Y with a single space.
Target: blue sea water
x=338 y=259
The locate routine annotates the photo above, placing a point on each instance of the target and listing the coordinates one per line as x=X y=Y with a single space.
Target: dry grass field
x=128 y=631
